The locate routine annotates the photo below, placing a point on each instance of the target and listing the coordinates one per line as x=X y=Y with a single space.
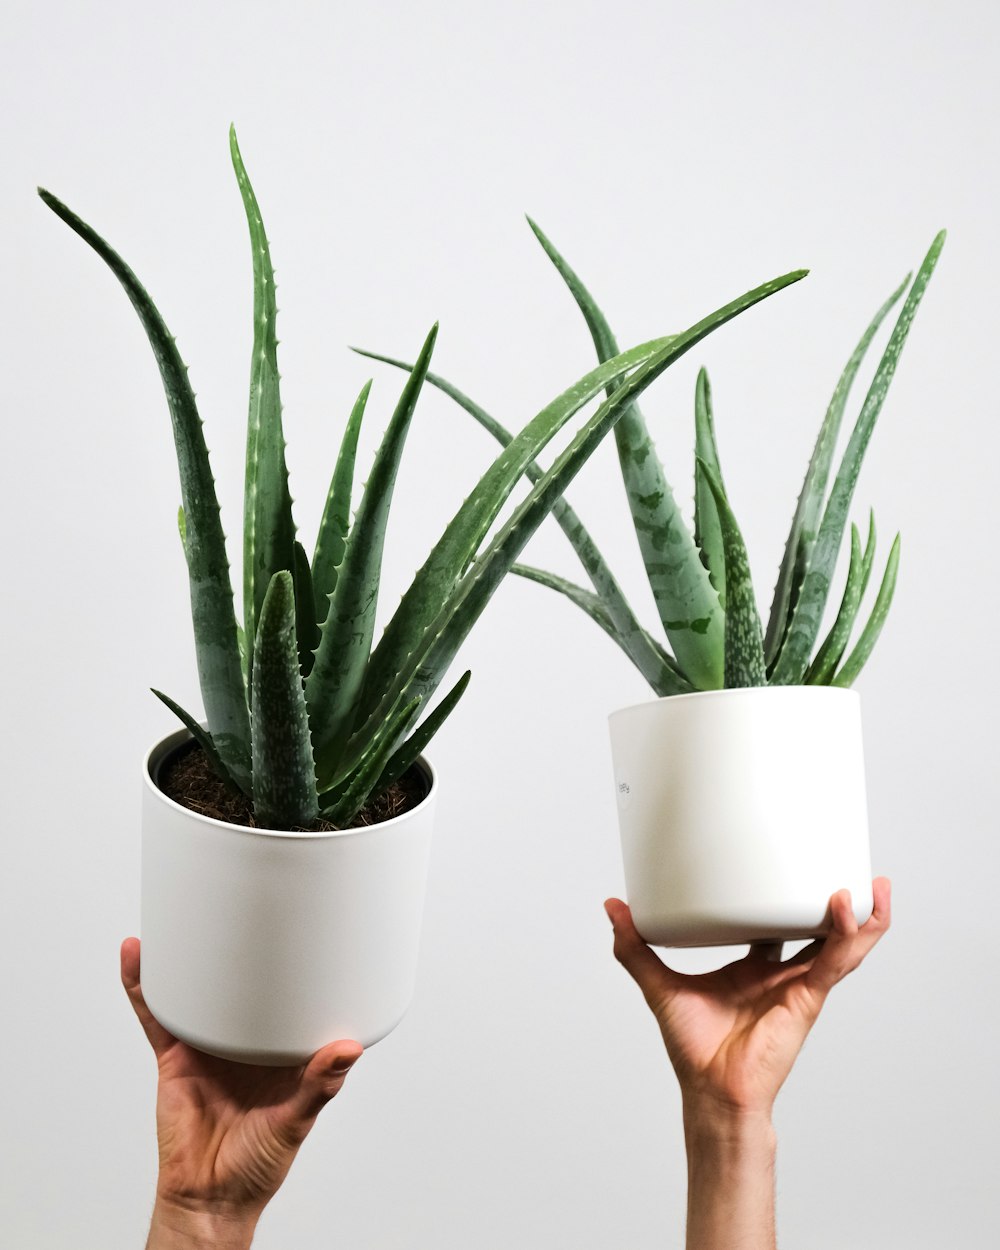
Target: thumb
x=653 y=977
x=159 y=1038
x=323 y=1077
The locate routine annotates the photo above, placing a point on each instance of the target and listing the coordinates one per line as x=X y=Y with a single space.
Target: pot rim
x=162 y=746
x=741 y=691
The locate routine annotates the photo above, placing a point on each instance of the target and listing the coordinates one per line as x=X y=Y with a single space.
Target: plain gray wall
x=678 y=154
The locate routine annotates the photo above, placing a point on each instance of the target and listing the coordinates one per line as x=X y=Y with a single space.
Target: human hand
x=227 y=1132
x=733 y=1035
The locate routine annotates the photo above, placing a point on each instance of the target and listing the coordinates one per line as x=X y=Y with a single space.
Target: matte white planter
x=741 y=812
x=263 y=945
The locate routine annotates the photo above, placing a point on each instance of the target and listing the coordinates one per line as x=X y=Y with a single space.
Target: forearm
x=730 y=1179
x=177 y=1227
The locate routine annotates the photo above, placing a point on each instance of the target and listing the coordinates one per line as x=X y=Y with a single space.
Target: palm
x=228 y=1132
x=739 y=1029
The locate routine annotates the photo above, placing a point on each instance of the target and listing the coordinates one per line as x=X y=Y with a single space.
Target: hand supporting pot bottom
x=227 y=1132
x=732 y=1036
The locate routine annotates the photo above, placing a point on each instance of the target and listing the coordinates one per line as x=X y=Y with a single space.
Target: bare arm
x=732 y=1037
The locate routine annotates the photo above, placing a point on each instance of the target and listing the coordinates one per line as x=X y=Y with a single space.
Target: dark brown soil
x=185 y=777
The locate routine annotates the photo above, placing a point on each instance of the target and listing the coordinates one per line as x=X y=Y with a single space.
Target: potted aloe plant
x=286 y=835
x=741 y=786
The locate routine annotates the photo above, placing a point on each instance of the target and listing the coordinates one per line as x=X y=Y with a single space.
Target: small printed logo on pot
x=624 y=792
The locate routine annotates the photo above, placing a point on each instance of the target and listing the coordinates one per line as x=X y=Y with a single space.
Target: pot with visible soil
x=264 y=944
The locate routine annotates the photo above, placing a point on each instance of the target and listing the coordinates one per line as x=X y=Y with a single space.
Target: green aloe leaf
x=835 y=643
x=307 y=631
x=342 y=658
x=284 y=775
x=647 y=655
x=856 y=661
x=586 y=600
x=182 y=529
x=343 y=800
x=450 y=556
x=331 y=542
x=687 y=603
x=268 y=529
x=667 y=678
x=203 y=739
x=808 y=611
x=436 y=648
x=805 y=521
x=868 y=559
x=707 y=528
x=219 y=672
x=416 y=744
x=744 y=639
x=241 y=644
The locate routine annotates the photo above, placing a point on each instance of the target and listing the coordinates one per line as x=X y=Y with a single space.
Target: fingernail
x=345 y=1064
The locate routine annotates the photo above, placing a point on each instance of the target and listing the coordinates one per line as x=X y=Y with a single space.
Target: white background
x=678 y=155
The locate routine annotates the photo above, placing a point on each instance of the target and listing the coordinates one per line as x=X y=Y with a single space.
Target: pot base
x=691 y=929
x=265 y=1057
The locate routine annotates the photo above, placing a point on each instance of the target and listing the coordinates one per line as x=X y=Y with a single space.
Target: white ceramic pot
x=262 y=945
x=741 y=812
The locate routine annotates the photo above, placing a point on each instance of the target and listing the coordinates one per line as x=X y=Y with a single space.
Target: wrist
x=737 y=1141
x=709 y=1119
x=731 y=1155
x=181 y=1225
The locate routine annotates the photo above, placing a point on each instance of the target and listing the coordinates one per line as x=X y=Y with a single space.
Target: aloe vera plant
x=303 y=714
x=700 y=578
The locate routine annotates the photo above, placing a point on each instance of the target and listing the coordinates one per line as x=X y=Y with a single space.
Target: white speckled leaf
x=284 y=775
x=744 y=641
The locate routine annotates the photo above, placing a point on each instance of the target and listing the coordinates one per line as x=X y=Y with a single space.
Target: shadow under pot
x=741 y=812
x=263 y=945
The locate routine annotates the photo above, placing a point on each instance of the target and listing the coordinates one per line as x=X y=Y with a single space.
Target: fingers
x=159 y=1038
x=652 y=976
x=847 y=944
x=322 y=1079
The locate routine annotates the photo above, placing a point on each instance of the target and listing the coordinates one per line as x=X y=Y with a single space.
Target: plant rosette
x=263 y=942
x=741 y=789
x=741 y=812
x=262 y=945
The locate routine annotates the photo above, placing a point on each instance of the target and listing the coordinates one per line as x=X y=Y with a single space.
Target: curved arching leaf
x=219 y=671
x=686 y=601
